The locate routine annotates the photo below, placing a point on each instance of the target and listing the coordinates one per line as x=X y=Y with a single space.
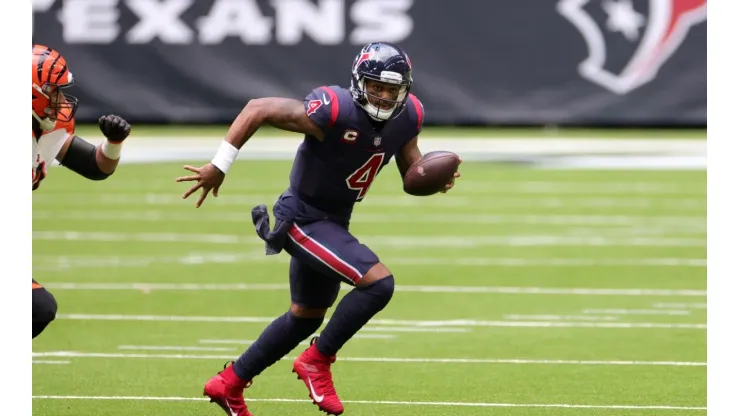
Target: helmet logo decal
x=364 y=57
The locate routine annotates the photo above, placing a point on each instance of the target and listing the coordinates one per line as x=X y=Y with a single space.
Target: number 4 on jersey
x=361 y=179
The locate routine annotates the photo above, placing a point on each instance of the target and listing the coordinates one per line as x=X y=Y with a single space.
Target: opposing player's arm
x=96 y=162
x=284 y=113
x=408 y=154
x=86 y=159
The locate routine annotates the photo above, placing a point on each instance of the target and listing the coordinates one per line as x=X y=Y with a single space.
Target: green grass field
x=522 y=292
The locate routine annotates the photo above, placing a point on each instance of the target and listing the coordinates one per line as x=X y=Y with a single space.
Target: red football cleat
x=313 y=368
x=226 y=389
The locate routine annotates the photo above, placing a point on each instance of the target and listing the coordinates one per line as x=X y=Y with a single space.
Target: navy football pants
x=324 y=254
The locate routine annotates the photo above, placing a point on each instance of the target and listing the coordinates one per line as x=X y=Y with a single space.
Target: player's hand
x=114 y=128
x=209 y=178
x=452 y=182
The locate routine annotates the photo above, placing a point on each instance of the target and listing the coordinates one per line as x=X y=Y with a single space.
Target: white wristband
x=111 y=150
x=225 y=156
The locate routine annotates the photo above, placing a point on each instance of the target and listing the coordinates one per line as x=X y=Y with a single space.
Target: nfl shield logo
x=376 y=142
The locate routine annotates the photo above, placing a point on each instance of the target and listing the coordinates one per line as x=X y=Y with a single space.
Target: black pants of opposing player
x=44 y=309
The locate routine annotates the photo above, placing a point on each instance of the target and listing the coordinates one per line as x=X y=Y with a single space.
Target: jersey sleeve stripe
x=419 y=111
x=334 y=105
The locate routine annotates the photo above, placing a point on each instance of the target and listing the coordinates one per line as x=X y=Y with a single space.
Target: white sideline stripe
x=388 y=402
x=389 y=241
x=698 y=223
x=160 y=147
x=510 y=290
x=389 y=322
x=59 y=362
x=68 y=262
x=672 y=312
x=76 y=354
x=171 y=348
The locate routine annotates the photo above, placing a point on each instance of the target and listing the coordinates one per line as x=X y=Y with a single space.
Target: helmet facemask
x=54 y=104
x=387 y=106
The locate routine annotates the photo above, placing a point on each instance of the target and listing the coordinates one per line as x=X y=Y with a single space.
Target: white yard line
x=67 y=262
x=680 y=222
x=680 y=305
x=672 y=204
x=228 y=341
x=171 y=348
x=387 y=402
x=391 y=322
x=469 y=186
x=77 y=354
x=52 y=362
x=509 y=290
x=414 y=242
x=370 y=336
x=670 y=312
x=417 y=329
x=251 y=341
x=519 y=317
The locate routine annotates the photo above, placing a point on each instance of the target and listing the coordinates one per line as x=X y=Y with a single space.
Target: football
x=431 y=173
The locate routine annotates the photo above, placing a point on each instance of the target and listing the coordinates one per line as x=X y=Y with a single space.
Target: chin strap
x=46 y=124
x=375 y=113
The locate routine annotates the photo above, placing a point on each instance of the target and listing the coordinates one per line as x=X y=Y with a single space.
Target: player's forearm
x=93 y=162
x=403 y=167
x=107 y=163
x=283 y=113
x=242 y=128
x=408 y=155
x=246 y=123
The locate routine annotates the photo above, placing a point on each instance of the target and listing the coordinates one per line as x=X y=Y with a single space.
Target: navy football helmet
x=383 y=62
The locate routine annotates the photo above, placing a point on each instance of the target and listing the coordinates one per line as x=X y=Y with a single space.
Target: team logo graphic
x=376 y=142
x=365 y=56
x=629 y=40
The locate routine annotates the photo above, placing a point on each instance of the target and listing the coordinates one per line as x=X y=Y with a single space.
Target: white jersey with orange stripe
x=45 y=146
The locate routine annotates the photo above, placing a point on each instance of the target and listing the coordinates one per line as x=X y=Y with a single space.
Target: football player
x=53 y=137
x=350 y=135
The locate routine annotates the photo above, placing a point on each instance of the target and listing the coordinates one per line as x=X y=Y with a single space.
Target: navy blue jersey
x=337 y=172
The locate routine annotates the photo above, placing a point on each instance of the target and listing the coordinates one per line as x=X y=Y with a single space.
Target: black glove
x=114 y=128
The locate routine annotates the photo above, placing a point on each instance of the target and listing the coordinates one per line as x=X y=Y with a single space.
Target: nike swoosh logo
x=326 y=101
x=315 y=396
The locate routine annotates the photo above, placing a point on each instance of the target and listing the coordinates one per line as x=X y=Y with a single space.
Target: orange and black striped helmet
x=50 y=75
